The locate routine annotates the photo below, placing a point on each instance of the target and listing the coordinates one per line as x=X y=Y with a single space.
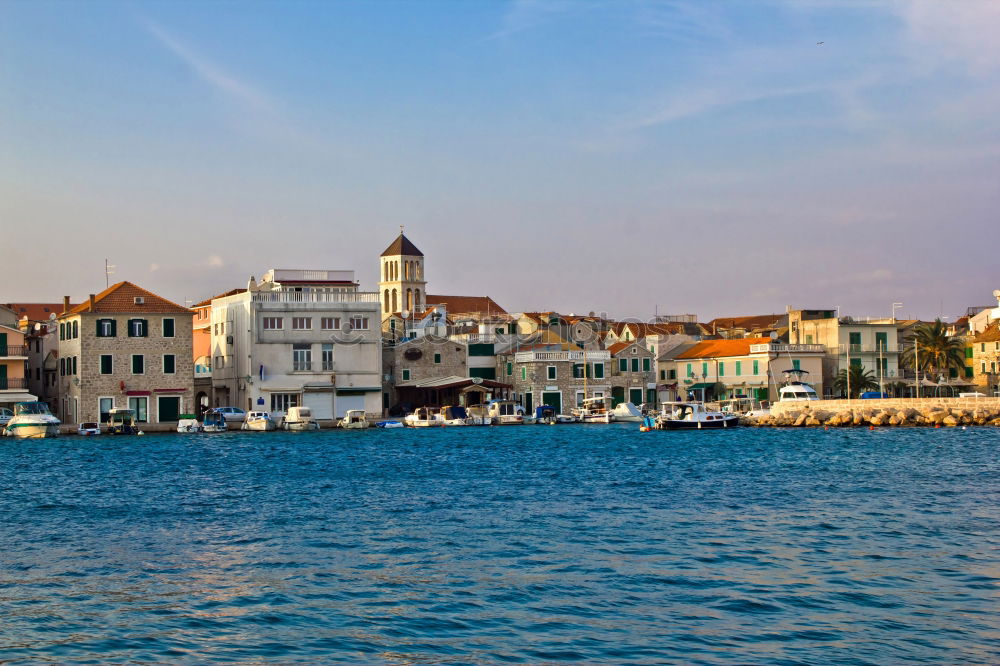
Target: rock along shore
x=891 y=412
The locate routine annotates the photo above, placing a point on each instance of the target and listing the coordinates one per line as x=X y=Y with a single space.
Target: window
x=301 y=358
x=510 y=366
x=138 y=328
x=74 y=364
x=107 y=366
x=359 y=323
x=855 y=339
x=968 y=373
x=739 y=368
x=551 y=372
x=169 y=364
x=62 y=367
x=882 y=340
x=105 y=328
x=809 y=339
x=406 y=374
x=704 y=369
x=673 y=374
x=579 y=398
x=577 y=371
x=856 y=363
x=623 y=365
x=756 y=367
x=280 y=402
x=599 y=370
x=645 y=365
x=76 y=329
x=663 y=375
x=330 y=323
x=302 y=323
x=327 y=356
x=968 y=352
x=635 y=365
x=62 y=333
x=690 y=372
x=722 y=370
x=796 y=364
x=270 y=324
x=138 y=364
x=168 y=327
x=524 y=373
x=140 y=406
x=982 y=346
x=104 y=406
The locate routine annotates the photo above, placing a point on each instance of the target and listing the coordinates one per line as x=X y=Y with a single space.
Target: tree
x=861 y=380
x=936 y=352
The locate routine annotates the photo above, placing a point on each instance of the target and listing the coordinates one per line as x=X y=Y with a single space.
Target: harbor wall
x=883 y=412
x=782 y=408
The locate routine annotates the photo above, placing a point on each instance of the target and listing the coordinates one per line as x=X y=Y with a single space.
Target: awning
x=352 y=390
x=16 y=397
x=700 y=385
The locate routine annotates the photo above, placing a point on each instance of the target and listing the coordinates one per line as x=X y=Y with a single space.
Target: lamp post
x=895 y=306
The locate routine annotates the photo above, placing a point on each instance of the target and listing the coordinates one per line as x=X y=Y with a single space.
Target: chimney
x=92 y=302
x=65 y=303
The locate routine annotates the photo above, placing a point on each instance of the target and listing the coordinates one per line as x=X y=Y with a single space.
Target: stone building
x=633 y=373
x=556 y=375
x=128 y=348
x=985 y=352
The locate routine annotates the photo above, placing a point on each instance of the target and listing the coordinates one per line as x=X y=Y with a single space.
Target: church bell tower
x=402 y=284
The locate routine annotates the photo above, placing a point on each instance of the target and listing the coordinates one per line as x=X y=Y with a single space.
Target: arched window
x=409 y=300
x=416 y=299
x=395 y=303
x=385 y=309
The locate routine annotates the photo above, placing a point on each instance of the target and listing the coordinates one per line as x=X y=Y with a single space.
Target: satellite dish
x=405 y=313
x=774 y=335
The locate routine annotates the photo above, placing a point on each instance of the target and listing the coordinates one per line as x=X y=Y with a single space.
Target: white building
x=298 y=337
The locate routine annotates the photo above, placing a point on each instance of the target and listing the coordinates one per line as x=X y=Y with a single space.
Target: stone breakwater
x=891 y=412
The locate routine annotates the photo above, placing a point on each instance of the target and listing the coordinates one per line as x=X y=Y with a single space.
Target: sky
x=671 y=156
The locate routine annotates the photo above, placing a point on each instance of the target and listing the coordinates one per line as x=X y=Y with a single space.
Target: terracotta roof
x=717 y=348
x=120 y=298
x=618 y=346
x=989 y=334
x=402 y=246
x=750 y=323
x=208 y=301
x=36 y=311
x=463 y=304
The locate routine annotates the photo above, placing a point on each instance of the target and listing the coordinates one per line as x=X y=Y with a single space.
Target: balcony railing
x=533 y=356
x=13 y=350
x=869 y=349
x=13 y=383
x=288 y=296
x=772 y=348
x=302 y=366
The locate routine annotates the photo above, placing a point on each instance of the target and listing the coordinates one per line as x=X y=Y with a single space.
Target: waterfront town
x=301 y=337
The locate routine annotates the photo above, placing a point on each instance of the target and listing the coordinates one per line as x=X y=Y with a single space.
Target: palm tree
x=936 y=352
x=860 y=381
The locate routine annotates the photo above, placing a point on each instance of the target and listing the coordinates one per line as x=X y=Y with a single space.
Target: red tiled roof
x=749 y=323
x=462 y=304
x=36 y=311
x=618 y=346
x=208 y=301
x=989 y=334
x=717 y=348
x=120 y=298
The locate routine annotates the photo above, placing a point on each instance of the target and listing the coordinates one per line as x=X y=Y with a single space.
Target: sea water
x=531 y=544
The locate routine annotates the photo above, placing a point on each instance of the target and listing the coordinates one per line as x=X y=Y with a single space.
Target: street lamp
x=895 y=306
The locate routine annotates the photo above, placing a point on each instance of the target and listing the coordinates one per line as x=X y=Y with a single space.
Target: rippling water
x=485 y=545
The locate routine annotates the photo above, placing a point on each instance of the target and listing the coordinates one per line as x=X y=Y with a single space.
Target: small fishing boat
x=121 y=421
x=504 y=412
x=627 y=411
x=526 y=418
x=389 y=424
x=32 y=420
x=259 y=422
x=89 y=429
x=188 y=423
x=594 y=410
x=299 y=419
x=454 y=415
x=479 y=415
x=565 y=418
x=545 y=414
x=354 y=419
x=690 y=416
x=424 y=417
x=213 y=421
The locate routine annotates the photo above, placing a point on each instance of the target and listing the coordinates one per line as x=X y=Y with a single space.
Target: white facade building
x=298 y=337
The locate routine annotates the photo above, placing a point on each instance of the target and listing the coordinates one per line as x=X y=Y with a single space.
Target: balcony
x=282 y=296
x=302 y=366
x=869 y=349
x=541 y=356
x=14 y=351
x=772 y=348
x=13 y=383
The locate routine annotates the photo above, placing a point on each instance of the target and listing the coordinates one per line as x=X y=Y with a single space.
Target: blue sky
x=685 y=156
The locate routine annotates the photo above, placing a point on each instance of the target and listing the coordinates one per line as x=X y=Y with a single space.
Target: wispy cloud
x=208 y=71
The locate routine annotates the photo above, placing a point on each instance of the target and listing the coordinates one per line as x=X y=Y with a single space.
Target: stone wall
x=888 y=412
x=781 y=408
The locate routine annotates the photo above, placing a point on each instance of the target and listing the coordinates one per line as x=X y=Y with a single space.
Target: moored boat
x=32 y=420
x=121 y=421
x=454 y=415
x=354 y=419
x=627 y=411
x=259 y=422
x=213 y=421
x=89 y=429
x=299 y=418
x=424 y=417
x=545 y=414
x=505 y=412
x=188 y=423
x=594 y=410
x=690 y=416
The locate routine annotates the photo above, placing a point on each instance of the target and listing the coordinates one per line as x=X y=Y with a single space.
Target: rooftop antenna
x=109 y=270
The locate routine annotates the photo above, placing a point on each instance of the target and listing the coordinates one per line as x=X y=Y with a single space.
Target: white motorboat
x=796 y=390
x=89 y=429
x=526 y=418
x=565 y=418
x=354 y=419
x=32 y=420
x=505 y=412
x=259 y=422
x=214 y=421
x=627 y=411
x=594 y=410
x=188 y=423
x=299 y=419
x=424 y=417
x=690 y=416
x=389 y=424
x=454 y=415
x=479 y=415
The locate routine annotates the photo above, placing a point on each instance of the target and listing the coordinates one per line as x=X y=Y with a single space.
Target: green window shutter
x=484 y=373
x=524 y=373
x=106 y=364
x=437 y=358
x=131 y=328
x=722 y=370
x=623 y=365
x=114 y=328
x=673 y=374
x=598 y=371
x=99 y=333
x=406 y=375
x=551 y=372
x=968 y=352
x=62 y=331
x=635 y=365
x=137 y=364
x=756 y=367
x=76 y=329
x=968 y=373
x=645 y=365
x=855 y=338
x=739 y=368
x=689 y=372
x=704 y=369
x=663 y=375
x=169 y=364
x=145 y=328
x=74 y=364
x=168 y=328
x=856 y=363
x=796 y=364
x=510 y=369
